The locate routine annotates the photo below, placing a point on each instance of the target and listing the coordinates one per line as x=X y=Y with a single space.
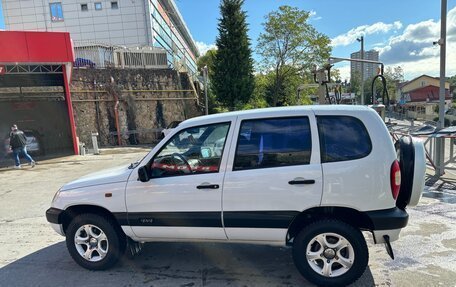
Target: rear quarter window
x=342 y=138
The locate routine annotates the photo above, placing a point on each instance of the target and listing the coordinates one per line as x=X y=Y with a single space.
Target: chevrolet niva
x=311 y=177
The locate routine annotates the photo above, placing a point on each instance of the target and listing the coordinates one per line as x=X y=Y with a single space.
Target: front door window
x=191 y=151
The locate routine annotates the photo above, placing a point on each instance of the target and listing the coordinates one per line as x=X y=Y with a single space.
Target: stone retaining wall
x=148 y=100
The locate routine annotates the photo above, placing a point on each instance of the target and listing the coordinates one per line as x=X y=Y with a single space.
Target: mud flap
x=388 y=247
x=133 y=248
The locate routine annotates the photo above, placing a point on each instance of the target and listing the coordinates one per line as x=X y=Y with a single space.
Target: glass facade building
x=139 y=23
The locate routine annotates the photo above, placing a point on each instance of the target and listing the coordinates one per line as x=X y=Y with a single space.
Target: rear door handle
x=208 y=186
x=302 y=181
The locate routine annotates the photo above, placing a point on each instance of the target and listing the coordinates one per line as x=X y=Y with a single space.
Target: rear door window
x=342 y=138
x=277 y=142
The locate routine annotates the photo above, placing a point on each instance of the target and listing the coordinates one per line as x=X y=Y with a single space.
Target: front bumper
x=58 y=228
x=53 y=215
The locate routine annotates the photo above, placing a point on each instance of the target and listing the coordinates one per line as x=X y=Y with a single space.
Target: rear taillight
x=395 y=179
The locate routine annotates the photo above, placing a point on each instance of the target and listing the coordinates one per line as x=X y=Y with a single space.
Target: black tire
x=354 y=237
x=406 y=156
x=116 y=241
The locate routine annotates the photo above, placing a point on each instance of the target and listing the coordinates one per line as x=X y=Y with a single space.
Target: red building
x=35 y=72
x=426 y=94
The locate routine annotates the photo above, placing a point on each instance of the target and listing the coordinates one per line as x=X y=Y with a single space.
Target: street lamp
x=440 y=144
x=361 y=39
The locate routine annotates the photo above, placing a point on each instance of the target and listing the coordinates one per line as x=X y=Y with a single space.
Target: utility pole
x=361 y=39
x=205 y=88
x=440 y=145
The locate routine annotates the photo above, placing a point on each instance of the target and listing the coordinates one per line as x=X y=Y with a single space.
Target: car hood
x=112 y=175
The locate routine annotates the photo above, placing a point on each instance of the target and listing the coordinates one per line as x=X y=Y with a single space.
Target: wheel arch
x=72 y=211
x=348 y=215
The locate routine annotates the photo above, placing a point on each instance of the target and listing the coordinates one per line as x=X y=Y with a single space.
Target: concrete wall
x=125 y=25
x=148 y=101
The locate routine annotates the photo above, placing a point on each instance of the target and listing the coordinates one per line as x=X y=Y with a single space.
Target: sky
x=401 y=30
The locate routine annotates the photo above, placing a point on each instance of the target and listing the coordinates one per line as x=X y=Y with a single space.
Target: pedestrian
x=18 y=143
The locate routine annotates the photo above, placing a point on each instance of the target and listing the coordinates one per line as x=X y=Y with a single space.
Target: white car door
x=274 y=173
x=182 y=200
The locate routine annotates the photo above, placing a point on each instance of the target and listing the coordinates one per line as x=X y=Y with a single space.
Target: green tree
x=335 y=76
x=288 y=46
x=207 y=60
x=355 y=84
x=393 y=77
x=452 y=81
x=233 y=79
x=397 y=73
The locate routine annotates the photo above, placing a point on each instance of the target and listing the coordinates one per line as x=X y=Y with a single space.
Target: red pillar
x=70 y=107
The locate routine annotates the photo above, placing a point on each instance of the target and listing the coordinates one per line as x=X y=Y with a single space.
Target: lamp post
x=205 y=88
x=361 y=39
x=440 y=144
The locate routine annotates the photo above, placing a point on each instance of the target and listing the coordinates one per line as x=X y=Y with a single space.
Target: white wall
x=123 y=26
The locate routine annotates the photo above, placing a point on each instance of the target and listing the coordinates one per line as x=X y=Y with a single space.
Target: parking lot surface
x=32 y=254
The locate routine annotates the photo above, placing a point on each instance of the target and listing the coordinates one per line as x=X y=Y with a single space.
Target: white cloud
x=350 y=37
x=414 y=51
x=344 y=72
x=313 y=16
x=203 y=47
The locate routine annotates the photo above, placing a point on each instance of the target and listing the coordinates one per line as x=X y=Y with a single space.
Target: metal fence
x=101 y=56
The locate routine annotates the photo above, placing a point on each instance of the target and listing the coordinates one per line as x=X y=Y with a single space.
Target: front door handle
x=208 y=186
x=302 y=181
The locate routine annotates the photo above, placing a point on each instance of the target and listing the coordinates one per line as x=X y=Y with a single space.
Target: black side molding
x=53 y=215
x=385 y=219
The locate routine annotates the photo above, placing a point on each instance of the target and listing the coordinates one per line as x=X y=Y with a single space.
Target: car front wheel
x=330 y=253
x=94 y=241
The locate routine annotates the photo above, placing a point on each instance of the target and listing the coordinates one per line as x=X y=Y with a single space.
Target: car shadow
x=166 y=264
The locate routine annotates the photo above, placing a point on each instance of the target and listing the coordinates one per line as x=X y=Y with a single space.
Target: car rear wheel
x=330 y=253
x=94 y=241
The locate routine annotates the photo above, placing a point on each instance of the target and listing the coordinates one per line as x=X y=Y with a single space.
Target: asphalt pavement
x=32 y=254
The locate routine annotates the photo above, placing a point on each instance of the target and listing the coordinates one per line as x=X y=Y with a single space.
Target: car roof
x=271 y=111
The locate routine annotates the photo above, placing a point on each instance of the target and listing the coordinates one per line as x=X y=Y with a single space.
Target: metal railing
x=101 y=56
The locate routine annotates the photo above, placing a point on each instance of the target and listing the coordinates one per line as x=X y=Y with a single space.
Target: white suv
x=309 y=177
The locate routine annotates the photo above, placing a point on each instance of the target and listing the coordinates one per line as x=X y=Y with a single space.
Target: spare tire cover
x=406 y=156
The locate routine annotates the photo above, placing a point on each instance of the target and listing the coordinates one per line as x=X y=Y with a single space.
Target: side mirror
x=144 y=174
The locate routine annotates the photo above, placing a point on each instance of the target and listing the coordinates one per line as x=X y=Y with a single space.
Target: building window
x=84 y=7
x=56 y=12
x=114 y=5
x=98 y=6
